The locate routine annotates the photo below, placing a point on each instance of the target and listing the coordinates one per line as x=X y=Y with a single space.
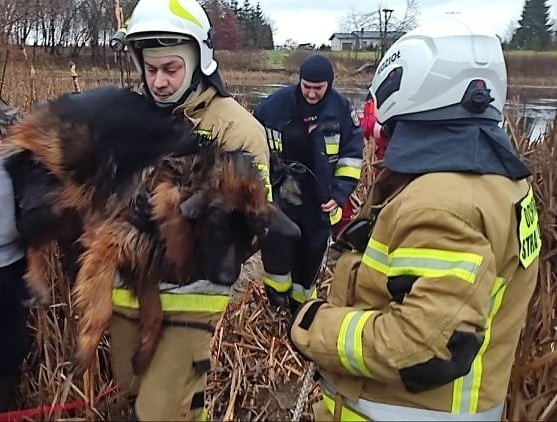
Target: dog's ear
x=192 y=207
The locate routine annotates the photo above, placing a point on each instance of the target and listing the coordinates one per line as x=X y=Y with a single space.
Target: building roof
x=362 y=35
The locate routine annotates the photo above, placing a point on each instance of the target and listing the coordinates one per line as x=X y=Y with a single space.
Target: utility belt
x=343 y=409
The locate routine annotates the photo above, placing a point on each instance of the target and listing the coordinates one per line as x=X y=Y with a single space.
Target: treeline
x=239 y=26
x=69 y=25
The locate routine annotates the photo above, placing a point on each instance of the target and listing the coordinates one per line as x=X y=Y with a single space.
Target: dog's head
x=230 y=216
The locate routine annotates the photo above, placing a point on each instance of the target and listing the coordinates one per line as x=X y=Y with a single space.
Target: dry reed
x=257 y=374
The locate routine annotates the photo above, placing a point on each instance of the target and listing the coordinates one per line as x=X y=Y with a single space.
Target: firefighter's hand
x=330 y=206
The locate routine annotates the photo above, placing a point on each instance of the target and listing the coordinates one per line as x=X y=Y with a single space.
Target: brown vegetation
x=257 y=375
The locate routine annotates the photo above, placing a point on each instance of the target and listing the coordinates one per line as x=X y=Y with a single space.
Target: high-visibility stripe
x=274 y=139
x=332 y=148
x=377 y=256
x=466 y=390
x=346 y=413
x=351 y=172
x=349 y=343
x=422 y=262
x=335 y=216
x=175 y=302
x=350 y=162
x=301 y=294
x=278 y=282
x=264 y=172
x=177 y=9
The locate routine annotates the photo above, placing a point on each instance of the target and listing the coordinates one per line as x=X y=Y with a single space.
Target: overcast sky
x=315 y=20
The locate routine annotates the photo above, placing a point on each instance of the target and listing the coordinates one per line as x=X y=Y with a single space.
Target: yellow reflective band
x=332 y=149
x=298 y=296
x=529 y=235
x=204 y=136
x=351 y=172
x=301 y=295
x=175 y=302
x=377 y=256
x=424 y=262
x=349 y=343
x=264 y=171
x=278 y=283
x=466 y=390
x=346 y=413
x=178 y=10
x=335 y=216
x=203 y=416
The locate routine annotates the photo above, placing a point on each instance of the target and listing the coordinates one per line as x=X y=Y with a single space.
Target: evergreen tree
x=256 y=31
x=534 y=30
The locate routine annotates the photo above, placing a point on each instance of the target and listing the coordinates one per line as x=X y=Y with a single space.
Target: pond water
x=536 y=105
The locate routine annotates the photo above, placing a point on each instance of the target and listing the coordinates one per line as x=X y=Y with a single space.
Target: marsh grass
x=257 y=374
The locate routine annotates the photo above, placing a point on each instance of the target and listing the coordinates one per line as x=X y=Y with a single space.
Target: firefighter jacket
x=428 y=314
x=332 y=151
x=222 y=119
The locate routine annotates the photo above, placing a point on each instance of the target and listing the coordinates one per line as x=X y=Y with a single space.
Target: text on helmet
x=394 y=57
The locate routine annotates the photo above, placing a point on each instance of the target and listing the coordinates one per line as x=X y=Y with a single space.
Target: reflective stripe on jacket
x=430 y=315
x=364 y=410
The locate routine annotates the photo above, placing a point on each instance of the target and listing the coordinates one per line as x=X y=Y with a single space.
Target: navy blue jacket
x=333 y=151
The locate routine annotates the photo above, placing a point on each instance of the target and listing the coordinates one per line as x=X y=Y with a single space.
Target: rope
x=23 y=414
x=304 y=392
x=310 y=372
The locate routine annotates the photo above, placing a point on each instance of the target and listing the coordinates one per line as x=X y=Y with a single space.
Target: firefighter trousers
x=173 y=388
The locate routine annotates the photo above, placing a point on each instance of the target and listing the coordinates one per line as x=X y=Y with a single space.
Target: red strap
x=19 y=415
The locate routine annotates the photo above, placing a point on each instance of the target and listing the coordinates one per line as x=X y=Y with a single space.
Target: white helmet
x=441 y=71
x=171 y=20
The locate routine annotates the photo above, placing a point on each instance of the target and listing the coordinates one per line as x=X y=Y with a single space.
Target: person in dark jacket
x=316 y=148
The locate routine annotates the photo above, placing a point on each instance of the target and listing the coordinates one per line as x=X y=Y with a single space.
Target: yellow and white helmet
x=167 y=23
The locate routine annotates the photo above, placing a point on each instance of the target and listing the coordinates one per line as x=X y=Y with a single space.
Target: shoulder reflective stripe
x=434 y=263
x=466 y=390
x=377 y=256
x=175 y=302
x=346 y=413
x=349 y=342
x=177 y=9
x=529 y=236
x=422 y=262
x=351 y=172
x=335 y=216
x=280 y=283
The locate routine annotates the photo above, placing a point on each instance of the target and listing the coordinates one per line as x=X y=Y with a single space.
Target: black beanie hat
x=317 y=68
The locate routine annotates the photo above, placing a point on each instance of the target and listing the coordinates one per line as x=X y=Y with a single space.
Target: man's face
x=313 y=92
x=164 y=75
